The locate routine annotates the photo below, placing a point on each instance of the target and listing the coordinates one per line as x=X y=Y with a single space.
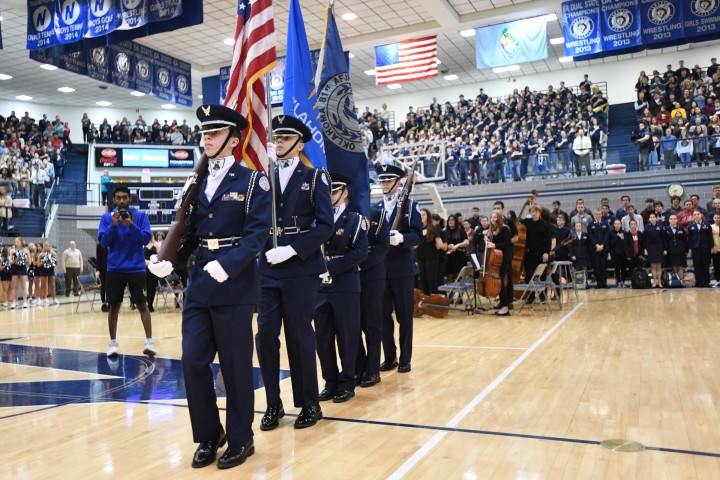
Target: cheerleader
x=19 y=270
x=45 y=271
x=676 y=245
x=5 y=276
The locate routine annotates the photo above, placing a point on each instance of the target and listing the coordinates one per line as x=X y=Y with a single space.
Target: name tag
x=213 y=244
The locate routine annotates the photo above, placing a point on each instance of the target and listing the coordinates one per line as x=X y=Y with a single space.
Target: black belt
x=289 y=231
x=218 y=243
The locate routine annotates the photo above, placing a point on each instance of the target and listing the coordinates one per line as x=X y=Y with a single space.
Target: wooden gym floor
x=527 y=396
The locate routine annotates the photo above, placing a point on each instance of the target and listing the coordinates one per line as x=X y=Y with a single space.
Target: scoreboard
x=157 y=200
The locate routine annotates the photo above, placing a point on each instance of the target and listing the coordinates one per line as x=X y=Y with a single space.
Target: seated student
x=579 y=249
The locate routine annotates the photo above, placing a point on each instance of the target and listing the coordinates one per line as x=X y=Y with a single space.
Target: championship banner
x=181 y=78
x=103 y=18
x=662 y=22
x=581 y=27
x=72 y=62
x=511 y=43
x=620 y=29
x=143 y=68
x=164 y=82
x=123 y=65
x=70 y=20
x=98 y=65
x=224 y=81
x=702 y=18
x=98 y=23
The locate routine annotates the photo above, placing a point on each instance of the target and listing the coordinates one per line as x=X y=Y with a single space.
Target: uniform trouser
x=288 y=302
x=398 y=296
x=337 y=318
x=371 y=323
x=599 y=264
x=227 y=330
x=701 y=264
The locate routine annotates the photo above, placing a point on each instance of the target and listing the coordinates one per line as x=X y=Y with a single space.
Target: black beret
x=287 y=125
x=217 y=117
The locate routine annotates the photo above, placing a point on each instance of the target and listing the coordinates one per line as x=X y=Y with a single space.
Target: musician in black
x=500 y=237
x=538 y=244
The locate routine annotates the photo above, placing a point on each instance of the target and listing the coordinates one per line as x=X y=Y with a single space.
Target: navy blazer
x=345 y=249
x=239 y=208
x=305 y=203
x=399 y=261
x=373 y=267
x=699 y=235
x=599 y=234
x=677 y=243
x=579 y=248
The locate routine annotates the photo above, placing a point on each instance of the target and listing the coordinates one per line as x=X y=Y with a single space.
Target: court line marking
x=415 y=345
x=411 y=462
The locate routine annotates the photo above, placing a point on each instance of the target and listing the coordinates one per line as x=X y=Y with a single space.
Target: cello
x=435 y=305
x=490 y=284
x=518 y=260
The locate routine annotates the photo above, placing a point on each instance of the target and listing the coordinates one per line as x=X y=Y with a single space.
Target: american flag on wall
x=253 y=56
x=406 y=61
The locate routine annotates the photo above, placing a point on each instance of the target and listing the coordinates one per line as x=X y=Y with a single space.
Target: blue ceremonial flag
x=511 y=43
x=299 y=99
x=343 y=144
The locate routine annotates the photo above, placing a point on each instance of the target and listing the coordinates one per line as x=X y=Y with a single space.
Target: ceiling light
x=103 y=103
x=23 y=97
x=468 y=33
x=350 y=55
x=229 y=41
x=394 y=86
x=565 y=59
x=348 y=16
x=200 y=96
x=551 y=17
x=1 y=18
x=451 y=77
x=66 y=89
x=557 y=41
x=167 y=106
x=370 y=72
x=135 y=93
x=509 y=68
x=5 y=77
x=47 y=66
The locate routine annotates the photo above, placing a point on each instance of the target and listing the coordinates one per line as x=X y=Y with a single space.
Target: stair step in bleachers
x=622 y=120
x=73 y=185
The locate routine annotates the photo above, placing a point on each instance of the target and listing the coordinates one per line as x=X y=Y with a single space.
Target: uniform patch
x=323 y=177
x=264 y=184
x=339 y=231
x=305 y=186
x=233 y=197
x=417 y=207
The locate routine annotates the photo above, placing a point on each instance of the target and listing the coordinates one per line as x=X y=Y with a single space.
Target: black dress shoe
x=506 y=314
x=342 y=396
x=404 y=368
x=308 y=417
x=236 y=456
x=326 y=395
x=358 y=379
x=272 y=417
x=151 y=309
x=206 y=451
x=388 y=365
x=370 y=380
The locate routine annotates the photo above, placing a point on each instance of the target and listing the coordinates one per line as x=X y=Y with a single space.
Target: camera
x=635 y=135
x=124 y=214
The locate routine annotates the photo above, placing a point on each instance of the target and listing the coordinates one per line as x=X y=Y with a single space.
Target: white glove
x=396 y=238
x=271 y=151
x=280 y=254
x=325 y=277
x=216 y=271
x=159 y=269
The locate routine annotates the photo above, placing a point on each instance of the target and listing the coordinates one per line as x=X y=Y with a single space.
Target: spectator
x=581 y=217
x=5 y=211
x=700 y=145
x=645 y=143
x=582 y=147
x=649 y=208
x=72 y=264
x=686 y=216
x=631 y=215
x=86 y=127
x=105 y=180
x=716 y=196
x=668 y=144
x=38 y=178
x=684 y=149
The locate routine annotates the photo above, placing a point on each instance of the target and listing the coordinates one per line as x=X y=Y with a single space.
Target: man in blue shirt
x=124 y=232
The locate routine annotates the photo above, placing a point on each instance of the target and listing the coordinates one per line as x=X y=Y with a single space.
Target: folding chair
x=88 y=283
x=172 y=286
x=535 y=285
x=556 y=288
x=460 y=290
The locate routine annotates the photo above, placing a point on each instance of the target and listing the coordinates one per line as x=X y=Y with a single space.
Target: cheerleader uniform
x=5 y=273
x=20 y=268
x=47 y=268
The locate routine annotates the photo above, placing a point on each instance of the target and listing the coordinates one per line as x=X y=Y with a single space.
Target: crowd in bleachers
x=678 y=114
x=603 y=241
x=140 y=132
x=528 y=133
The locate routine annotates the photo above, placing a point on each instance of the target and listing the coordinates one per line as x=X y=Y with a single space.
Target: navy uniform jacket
x=399 y=261
x=599 y=234
x=239 y=208
x=677 y=243
x=373 y=267
x=305 y=204
x=580 y=249
x=345 y=249
x=699 y=235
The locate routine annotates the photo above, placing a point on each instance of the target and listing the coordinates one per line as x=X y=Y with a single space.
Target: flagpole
x=271 y=162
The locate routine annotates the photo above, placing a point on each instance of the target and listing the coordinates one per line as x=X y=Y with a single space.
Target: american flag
x=406 y=61
x=253 y=56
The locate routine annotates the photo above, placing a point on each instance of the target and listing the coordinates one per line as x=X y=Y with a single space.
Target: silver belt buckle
x=213 y=244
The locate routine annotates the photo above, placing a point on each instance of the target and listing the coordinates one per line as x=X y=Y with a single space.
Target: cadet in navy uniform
x=229 y=226
x=372 y=286
x=289 y=276
x=579 y=249
x=599 y=237
x=701 y=243
x=676 y=245
x=337 y=309
x=400 y=270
